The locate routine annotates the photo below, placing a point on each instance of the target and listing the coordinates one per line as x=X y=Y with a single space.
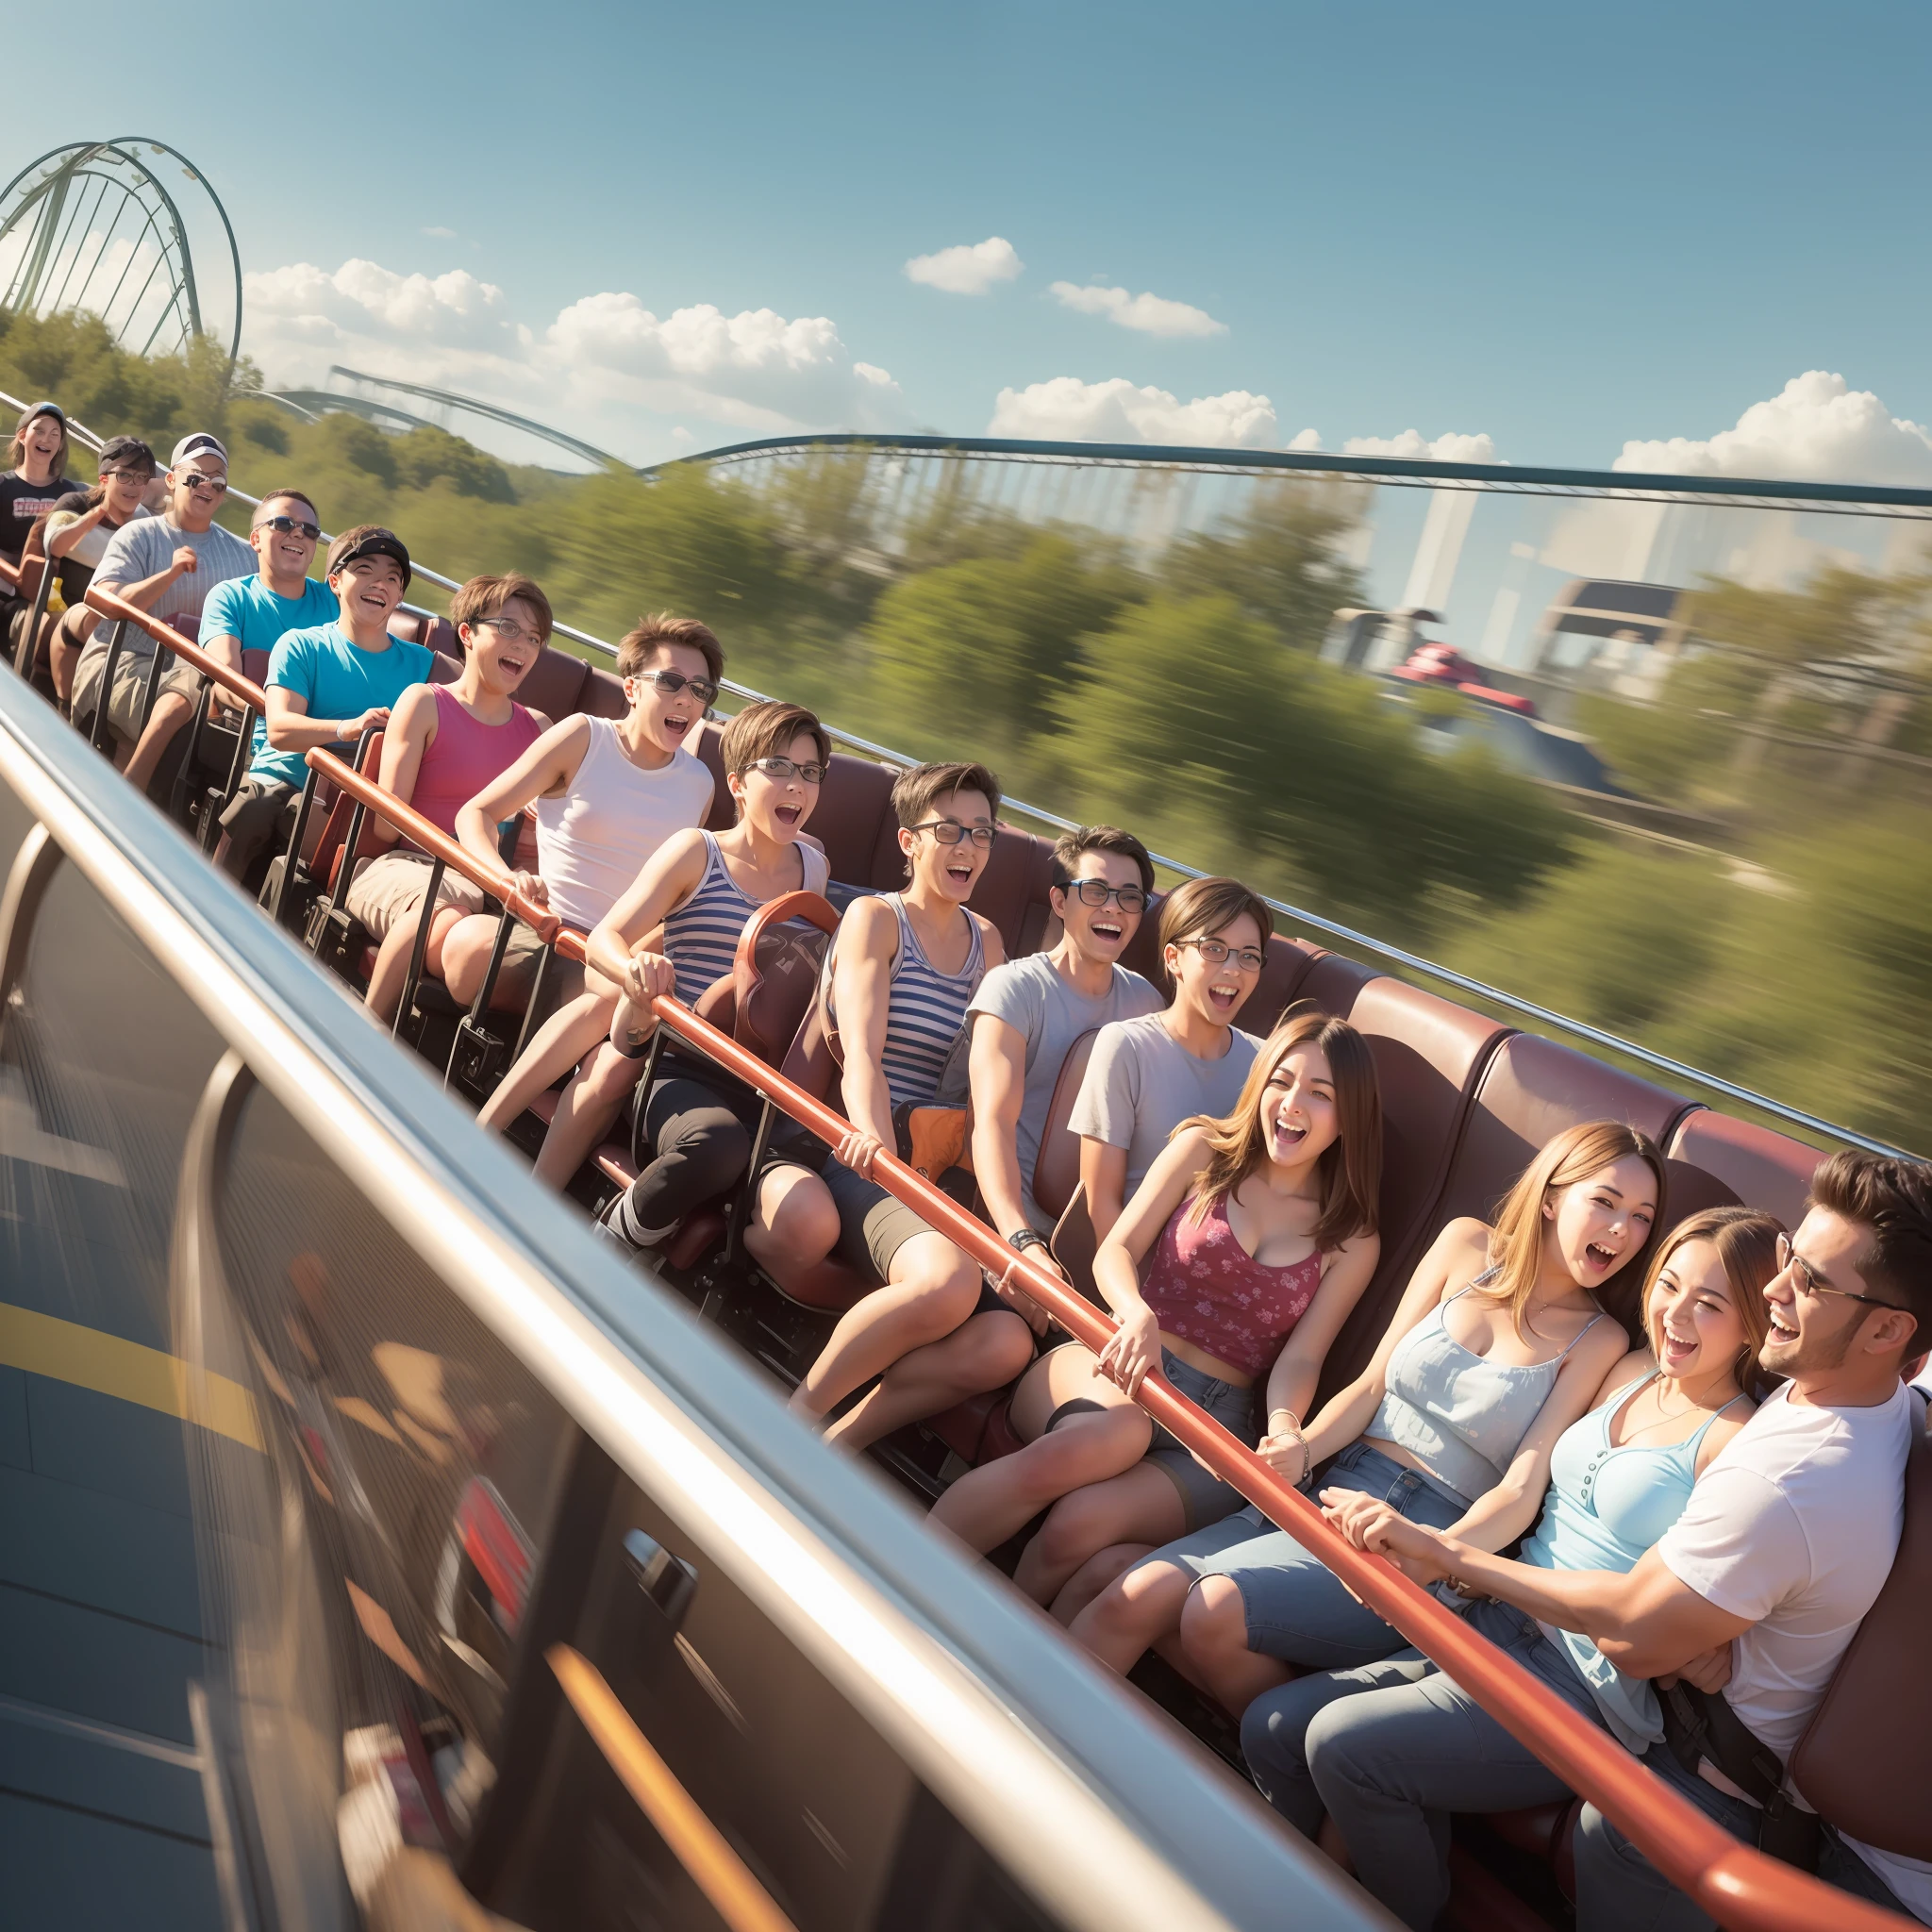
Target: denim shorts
x=1204 y=1498
x=1298 y=1608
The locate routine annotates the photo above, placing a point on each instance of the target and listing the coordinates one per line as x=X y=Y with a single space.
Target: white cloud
x=1413 y=444
x=1153 y=315
x=1306 y=439
x=441 y=234
x=607 y=368
x=1069 y=411
x=1817 y=429
x=967 y=269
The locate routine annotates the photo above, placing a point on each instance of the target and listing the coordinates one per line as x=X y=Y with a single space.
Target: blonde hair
x=1516 y=1238
x=1746 y=1244
x=1350 y=1168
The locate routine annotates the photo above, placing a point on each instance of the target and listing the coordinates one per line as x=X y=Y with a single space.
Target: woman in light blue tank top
x=1498 y=1345
x=1389 y=1749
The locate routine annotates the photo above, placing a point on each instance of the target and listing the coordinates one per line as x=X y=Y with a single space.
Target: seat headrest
x=1057 y=1168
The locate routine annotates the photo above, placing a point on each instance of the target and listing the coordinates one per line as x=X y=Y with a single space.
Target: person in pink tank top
x=444 y=744
x=1233 y=1266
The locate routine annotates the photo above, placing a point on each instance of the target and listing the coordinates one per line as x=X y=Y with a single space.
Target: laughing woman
x=1499 y=1345
x=1390 y=1749
x=1234 y=1265
x=704 y=888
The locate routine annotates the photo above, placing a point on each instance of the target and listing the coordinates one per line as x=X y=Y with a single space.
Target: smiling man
x=167 y=566
x=255 y=614
x=326 y=686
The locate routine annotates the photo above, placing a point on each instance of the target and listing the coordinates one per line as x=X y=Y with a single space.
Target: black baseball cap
x=53 y=410
x=368 y=539
x=126 y=452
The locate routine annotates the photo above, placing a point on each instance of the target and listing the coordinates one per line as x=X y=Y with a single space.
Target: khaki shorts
x=388 y=890
x=873 y=1224
x=129 y=695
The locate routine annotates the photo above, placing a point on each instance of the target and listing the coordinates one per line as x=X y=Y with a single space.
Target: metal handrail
x=1385 y=469
x=1736 y=1884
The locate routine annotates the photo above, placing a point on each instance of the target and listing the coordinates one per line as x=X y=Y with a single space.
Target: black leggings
x=703 y=1135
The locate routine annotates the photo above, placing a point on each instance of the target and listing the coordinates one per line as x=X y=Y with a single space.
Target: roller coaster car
x=1444 y=665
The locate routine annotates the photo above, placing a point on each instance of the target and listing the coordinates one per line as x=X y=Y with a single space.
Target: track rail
x=1737 y=1885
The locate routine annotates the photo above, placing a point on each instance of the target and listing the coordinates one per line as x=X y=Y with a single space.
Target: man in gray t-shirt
x=165 y=565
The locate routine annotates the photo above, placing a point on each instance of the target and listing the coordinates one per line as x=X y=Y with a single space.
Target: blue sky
x=1558 y=228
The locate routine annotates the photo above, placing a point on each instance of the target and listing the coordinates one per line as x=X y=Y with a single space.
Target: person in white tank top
x=608 y=793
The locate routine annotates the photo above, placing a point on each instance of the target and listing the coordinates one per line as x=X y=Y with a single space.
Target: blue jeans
x=1298 y=1608
x=1389 y=1750
x=1619 y=1890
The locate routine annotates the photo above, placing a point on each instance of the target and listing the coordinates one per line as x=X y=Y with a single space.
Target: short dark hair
x=649 y=634
x=1205 y=906
x=916 y=791
x=483 y=597
x=765 y=729
x=1068 y=847
x=1892 y=1199
x=268 y=496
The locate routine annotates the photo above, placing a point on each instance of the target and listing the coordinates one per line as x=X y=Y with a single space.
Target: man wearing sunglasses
x=167 y=566
x=80 y=529
x=255 y=614
x=1028 y=1012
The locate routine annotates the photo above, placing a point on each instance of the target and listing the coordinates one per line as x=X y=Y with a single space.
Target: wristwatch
x=1027 y=1238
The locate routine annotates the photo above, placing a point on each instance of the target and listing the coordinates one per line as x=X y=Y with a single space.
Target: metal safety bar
x=1843 y=497
x=1736 y=1884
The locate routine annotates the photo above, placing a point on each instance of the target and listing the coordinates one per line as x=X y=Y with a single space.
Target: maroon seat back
x=1430 y=1055
x=1334 y=982
x=1283 y=976
x=1013 y=890
x=855 y=800
x=602 y=695
x=777 y=971
x=1865 y=1760
x=553 y=684
x=1057 y=1167
x=709 y=752
x=324 y=859
x=1718 y=1160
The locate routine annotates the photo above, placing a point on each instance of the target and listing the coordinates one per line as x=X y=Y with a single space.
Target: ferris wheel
x=96 y=227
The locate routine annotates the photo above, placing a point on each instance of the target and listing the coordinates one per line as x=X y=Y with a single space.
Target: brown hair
x=1746 y=1244
x=638 y=645
x=1350 y=1168
x=18 y=451
x=1893 y=1199
x=766 y=730
x=916 y=791
x=483 y=597
x=268 y=496
x=1517 y=1238
x=1205 y=906
x=1068 y=847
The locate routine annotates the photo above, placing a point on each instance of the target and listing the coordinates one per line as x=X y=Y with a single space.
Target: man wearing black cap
x=80 y=529
x=165 y=565
x=326 y=687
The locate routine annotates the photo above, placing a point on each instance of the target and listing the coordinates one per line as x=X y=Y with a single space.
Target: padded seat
x=1719 y=1162
x=1865 y=1760
x=1335 y=982
x=555 y=684
x=1013 y=890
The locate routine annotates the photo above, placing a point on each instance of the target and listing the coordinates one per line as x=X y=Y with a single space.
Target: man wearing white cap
x=165 y=565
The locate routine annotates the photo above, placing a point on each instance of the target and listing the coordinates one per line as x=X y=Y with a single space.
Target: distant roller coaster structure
x=95 y=225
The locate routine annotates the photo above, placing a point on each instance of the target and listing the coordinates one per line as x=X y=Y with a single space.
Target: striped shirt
x=701 y=937
x=927 y=1008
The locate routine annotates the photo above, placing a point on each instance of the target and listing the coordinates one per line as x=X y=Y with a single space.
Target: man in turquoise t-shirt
x=326 y=687
x=255 y=614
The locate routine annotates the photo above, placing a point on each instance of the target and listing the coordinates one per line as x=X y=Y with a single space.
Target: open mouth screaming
x=1224 y=998
x=788 y=814
x=1599 y=1256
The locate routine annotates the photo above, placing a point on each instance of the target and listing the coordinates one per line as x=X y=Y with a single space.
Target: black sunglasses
x=282 y=526
x=671 y=682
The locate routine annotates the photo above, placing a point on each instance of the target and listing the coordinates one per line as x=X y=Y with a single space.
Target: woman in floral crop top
x=1234 y=1266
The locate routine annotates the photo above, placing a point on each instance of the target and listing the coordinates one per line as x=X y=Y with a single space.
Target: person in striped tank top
x=903 y=968
x=703 y=888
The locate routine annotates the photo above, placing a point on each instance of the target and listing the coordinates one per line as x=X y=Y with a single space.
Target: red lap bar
x=1734 y=1883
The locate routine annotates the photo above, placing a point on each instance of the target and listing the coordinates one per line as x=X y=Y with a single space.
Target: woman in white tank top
x=608 y=793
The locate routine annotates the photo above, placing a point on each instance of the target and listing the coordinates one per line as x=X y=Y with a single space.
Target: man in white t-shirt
x=1760 y=1585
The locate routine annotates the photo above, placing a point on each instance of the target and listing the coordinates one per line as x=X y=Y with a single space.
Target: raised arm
x=71 y=528
x=543 y=771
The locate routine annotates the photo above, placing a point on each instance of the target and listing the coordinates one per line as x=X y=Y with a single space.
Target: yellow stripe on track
x=109 y=1365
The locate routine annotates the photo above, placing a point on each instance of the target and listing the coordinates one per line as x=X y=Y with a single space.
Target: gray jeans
x=1619 y=1890
x=1389 y=1750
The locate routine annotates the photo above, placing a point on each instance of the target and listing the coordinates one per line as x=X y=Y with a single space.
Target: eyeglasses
x=282 y=527
x=1246 y=959
x=510 y=631
x=200 y=480
x=139 y=476
x=950 y=831
x=671 y=682
x=1811 y=1284
x=1097 y=892
x=810 y=773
